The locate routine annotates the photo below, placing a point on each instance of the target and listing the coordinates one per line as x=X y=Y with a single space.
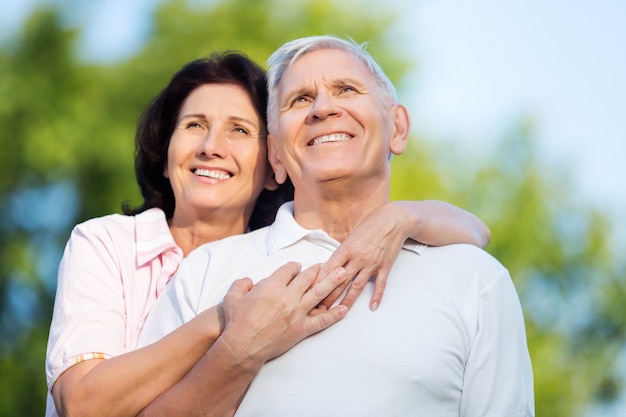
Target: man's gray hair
x=290 y=51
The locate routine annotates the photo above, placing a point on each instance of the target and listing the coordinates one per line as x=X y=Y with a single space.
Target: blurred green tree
x=67 y=155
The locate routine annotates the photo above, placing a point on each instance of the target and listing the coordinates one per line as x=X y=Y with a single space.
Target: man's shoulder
x=465 y=256
x=460 y=249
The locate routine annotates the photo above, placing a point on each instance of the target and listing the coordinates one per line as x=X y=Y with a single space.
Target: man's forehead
x=334 y=66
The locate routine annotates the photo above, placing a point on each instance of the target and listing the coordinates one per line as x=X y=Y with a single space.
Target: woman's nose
x=213 y=145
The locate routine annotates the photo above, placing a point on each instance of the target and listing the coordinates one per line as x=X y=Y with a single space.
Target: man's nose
x=323 y=107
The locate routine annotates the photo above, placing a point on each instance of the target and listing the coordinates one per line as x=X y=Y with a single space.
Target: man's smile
x=336 y=137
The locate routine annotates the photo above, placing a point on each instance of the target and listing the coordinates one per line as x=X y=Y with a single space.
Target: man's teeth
x=330 y=138
x=218 y=175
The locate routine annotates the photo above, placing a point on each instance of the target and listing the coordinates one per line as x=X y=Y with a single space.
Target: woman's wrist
x=410 y=217
x=231 y=352
x=209 y=324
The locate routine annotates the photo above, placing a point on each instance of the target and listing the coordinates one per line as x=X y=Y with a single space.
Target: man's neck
x=337 y=213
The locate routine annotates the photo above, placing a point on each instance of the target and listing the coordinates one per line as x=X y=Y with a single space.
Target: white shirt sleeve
x=498 y=377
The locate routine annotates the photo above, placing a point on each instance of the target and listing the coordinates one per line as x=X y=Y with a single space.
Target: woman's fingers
x=359 y=283
x=285 y=274
x=240 y=286
x=302 y=281
x=324 y=287
x=319 y=320
x=269 y=318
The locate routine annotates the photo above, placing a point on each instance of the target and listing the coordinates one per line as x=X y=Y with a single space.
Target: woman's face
x=217 y=156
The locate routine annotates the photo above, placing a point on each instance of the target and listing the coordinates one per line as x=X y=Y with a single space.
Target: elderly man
x=449 y=340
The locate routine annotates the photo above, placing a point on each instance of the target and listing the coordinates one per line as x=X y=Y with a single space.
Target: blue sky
x=482 y=64
x=486 y=62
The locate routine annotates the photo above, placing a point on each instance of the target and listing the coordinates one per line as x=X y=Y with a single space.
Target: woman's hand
x=260 y=322
x=264 y=320
x=373 y=246
x=369 y=250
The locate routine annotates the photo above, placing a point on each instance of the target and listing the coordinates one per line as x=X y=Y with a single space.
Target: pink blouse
x=112 y=271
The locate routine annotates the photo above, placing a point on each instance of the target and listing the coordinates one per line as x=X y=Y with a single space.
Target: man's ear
x=280 y=172
x=270 y=182
x=401 y=129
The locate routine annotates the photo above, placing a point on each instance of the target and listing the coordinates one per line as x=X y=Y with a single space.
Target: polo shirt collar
x=285 y=231
x=154 y=237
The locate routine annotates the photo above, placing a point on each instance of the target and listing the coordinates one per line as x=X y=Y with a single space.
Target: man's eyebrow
x=299 y=91
x=305 y=90
x=345 y=80
x=290 y=95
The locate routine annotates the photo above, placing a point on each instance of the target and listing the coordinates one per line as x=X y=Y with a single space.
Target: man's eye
x=300 y=99
x=348 y=89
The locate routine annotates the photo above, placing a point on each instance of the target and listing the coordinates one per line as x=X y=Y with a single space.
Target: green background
x=67 y=155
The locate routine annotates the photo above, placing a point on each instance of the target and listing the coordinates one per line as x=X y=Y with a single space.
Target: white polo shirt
x=447 y=340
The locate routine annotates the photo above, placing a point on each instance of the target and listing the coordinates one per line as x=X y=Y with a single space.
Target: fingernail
x=374 y=306
x=341 y=272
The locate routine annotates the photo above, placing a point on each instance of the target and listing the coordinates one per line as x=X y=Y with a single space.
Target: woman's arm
x=91 y=317
x=125 y=384
x=438 y=223
x=261 y=322
x=374 y=244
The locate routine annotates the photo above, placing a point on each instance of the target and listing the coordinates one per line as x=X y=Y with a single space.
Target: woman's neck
x=191 y=233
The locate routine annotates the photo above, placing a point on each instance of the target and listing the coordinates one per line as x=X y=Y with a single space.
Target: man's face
x=334 y=122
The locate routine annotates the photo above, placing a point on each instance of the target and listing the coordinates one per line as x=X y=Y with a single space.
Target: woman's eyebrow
x=242 y=119
x=192 y=116
x=202 y=116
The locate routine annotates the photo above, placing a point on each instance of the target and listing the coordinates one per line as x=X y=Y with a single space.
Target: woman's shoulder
x=108 y=223
x=120 y=226
x=123 y=222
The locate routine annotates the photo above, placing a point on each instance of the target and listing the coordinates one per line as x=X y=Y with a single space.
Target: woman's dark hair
x=158 y=120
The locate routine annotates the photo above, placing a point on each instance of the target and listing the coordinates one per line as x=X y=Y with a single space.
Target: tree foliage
x=558 y=253
x=67 y=155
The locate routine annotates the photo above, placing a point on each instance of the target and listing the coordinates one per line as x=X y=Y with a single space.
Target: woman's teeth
x=218 y=175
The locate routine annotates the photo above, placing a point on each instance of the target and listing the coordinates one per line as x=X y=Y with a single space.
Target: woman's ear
x=401 y=129
x=280 y=173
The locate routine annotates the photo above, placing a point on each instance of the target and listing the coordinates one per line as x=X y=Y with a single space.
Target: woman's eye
x=193 y=125
x=347 y=89
x=241 y=130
